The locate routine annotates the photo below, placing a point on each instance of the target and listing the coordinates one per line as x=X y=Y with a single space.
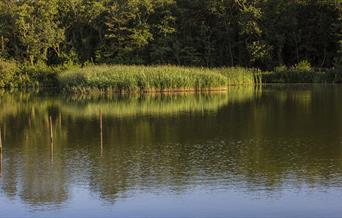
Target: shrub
x=8 y=69
x=302 y=66
x=39 y=75
x=280 y=69
x=302 y=73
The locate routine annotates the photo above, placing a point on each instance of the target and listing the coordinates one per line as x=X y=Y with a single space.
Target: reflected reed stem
x=101 y=134
x=0 y=152
x=51 y=138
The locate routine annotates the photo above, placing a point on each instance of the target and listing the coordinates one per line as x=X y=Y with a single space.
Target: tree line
x=211 y=33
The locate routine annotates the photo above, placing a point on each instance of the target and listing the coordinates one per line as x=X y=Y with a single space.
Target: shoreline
x=146 y=91
x=154 y=79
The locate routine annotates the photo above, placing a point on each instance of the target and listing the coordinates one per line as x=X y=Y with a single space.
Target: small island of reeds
x=121 y=78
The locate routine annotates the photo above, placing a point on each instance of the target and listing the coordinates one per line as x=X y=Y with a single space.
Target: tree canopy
x=250 y=33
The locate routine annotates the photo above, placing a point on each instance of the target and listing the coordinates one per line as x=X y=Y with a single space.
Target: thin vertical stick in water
x=60 y=120
x=0 y=154
x=51 y=132
x=51 y=138
x=1 y=164
x=101 y=133
x=0 y=141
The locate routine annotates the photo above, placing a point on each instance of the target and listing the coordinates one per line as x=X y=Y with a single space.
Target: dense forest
x=210 y=33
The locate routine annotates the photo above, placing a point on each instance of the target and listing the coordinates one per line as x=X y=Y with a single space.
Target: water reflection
x=244 y=140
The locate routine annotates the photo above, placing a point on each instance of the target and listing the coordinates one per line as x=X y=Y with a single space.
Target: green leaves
x=7 y=71
x=211 y=33
x=127 y=27
x=37 y=28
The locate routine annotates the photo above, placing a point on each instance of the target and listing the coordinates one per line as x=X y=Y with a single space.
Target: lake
x=251 y=152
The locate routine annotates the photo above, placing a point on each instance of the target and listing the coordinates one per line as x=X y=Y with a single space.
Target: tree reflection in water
x=244 y=139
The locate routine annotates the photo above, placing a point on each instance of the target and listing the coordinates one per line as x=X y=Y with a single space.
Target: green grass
x=314 y=76
x=123 y=78
x=152 y=78
x=238 y=76
x=8 y=69
x=14 y=75
x=137 y=79
x=302 y=73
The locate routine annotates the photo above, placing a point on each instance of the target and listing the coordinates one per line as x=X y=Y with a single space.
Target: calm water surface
x=271 y=152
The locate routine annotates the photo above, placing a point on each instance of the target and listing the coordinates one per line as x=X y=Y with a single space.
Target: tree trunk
x=280 y=56
x=2 y=44
x=31 y=59
x=231 y=54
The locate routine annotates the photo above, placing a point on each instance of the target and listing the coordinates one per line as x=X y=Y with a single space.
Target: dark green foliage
x=210 y=33
x=215 y=34
x=27 y=76
x=39 y=75
x=8 y=69
x=302 y=73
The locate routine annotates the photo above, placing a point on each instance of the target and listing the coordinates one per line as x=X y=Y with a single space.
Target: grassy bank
x=123 y=78
x=313 y=76
x=15 y=75
x=120 y=78
x=302 y=73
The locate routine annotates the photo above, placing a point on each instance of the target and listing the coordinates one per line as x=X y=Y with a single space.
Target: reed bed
x=136 y=78
x=238 y=76
x=121 y=78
